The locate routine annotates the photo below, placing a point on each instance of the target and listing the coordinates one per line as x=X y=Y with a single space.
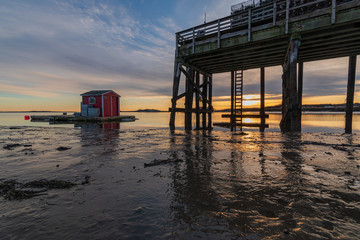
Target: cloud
x=51 y=48
x=84 y=45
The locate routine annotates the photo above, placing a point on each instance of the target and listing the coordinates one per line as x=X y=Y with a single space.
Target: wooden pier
x=283 y=32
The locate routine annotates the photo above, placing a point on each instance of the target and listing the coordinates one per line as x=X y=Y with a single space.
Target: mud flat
x=154 y=184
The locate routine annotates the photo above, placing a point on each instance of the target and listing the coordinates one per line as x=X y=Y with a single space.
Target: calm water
x=138 y=180
x=320 y=122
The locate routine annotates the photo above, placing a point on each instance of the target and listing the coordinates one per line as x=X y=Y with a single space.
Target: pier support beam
x=203 y=93
x=262 y=99
x=197 y=100
x=189 y=94
x=176 y=83
x=232 y=106
x=210 y=104
x=290 y=121
x=204 y=97
x=300 y=89
x=350 y=94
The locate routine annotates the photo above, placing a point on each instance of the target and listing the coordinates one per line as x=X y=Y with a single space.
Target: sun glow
x=247 y=120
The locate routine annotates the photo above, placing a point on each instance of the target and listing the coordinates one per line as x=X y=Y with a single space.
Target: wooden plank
x=183 y=110
x=181 y=96
x=245 y=116
x=287 y=17
x=310 y=29
x=190 y=78
x=249 y=25
x=229 y=125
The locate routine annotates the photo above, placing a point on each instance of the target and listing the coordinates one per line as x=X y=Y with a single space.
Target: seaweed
x=13 y=190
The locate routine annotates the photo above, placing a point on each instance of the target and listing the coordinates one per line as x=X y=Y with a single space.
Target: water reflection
x=192 y=180
x=249 y=186
x=314 y=122
x=111 y=125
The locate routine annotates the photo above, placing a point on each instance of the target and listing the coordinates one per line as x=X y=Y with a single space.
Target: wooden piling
x=197 y=100
x=290 y=121
x=350 y=94
x=189 y=99
x=262 y=98
x=210 y=103
x=232 y=105
x=176 y=83
x=300 y=90
x=205 y=83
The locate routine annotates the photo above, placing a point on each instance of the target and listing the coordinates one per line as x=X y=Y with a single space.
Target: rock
x=49 y=184
x=241 y=133
x=157 y=162
x=13 y=190
x=286 y=231
x=63 y=148
x=86 y=180
x=11 y=146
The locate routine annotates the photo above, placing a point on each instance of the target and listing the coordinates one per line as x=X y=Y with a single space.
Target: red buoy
x=27 y=117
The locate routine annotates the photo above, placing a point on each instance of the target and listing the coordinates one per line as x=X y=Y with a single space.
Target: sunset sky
x=51 y=51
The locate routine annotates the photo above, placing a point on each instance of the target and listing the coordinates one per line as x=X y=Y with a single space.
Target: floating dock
x=75 y=119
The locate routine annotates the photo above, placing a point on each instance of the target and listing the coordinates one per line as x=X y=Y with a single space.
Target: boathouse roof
x=98 y=93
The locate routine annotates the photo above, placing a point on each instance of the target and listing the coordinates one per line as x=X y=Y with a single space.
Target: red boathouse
x=100 y=103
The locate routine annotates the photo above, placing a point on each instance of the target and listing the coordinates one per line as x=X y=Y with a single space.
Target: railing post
x=193 y=42
x=218 y=42
x=287 y=17
x=333 y=11
x=274 y=14
x=249 y=25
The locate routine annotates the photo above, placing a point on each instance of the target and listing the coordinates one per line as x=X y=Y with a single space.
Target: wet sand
x=154 y=184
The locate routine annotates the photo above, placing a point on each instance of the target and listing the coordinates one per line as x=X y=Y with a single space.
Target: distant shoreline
x=335 y=108
x=34 y=111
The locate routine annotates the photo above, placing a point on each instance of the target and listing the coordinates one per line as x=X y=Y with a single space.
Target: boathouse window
x=92 y=100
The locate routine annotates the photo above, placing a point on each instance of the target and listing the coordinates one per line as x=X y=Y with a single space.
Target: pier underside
x=280 y=33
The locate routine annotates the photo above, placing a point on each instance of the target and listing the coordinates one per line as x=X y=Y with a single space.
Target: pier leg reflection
x=193 y=193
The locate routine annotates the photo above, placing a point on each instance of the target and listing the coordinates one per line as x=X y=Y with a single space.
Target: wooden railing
x=268 y=13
